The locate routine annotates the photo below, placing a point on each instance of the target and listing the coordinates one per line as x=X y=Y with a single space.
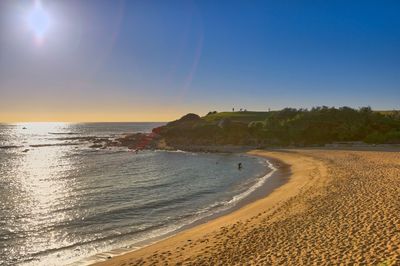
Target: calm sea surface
x=61 y=201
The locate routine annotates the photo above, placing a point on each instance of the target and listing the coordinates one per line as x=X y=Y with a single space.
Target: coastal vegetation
x=287 y=127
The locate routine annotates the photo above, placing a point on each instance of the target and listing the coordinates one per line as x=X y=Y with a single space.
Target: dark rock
x=95 y=146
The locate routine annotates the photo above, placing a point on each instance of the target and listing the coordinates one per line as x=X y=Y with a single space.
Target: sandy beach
x=338 y=207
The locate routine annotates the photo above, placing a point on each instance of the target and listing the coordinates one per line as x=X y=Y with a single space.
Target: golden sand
x=339 y=207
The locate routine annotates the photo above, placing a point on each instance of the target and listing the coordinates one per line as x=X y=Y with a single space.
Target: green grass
x=244 y=117
x=387 y=112
x=250 y=116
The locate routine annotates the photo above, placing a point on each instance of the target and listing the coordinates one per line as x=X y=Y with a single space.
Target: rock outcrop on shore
x=134 y=141
x=286 y=128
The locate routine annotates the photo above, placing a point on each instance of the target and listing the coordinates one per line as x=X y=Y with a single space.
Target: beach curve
x=180 y=247
x=339 y=207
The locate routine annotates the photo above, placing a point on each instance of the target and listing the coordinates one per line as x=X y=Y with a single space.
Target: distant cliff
x=294 y=127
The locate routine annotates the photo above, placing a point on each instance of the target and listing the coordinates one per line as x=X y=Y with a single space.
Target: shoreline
x=246 y=209
x=276 y=174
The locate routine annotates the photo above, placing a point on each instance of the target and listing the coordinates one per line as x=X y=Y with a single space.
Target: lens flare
x=38 y=21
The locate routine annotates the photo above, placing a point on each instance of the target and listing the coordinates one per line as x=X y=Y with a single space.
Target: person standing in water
x=239 y=166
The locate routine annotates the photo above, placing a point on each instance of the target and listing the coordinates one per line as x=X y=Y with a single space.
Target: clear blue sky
x=155 y=60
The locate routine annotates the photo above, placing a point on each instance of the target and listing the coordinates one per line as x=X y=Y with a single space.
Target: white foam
x=260 y=182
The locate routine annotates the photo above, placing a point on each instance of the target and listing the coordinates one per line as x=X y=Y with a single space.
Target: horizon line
x=80 y=122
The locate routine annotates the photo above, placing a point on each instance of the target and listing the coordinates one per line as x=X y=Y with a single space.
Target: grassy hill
x=289 y=126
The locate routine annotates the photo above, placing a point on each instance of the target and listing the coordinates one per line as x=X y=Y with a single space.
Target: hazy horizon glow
x=99 y=60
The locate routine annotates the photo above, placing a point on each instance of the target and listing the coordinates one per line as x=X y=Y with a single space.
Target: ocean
x=62 y=201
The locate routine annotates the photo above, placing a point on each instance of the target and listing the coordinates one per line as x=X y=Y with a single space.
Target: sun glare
x=38 y=21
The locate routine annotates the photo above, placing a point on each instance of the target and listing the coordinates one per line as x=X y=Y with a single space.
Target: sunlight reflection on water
x=40 y=178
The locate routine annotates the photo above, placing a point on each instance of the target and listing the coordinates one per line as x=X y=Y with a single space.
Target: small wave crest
x=63 y=133
x=7 y=147
x=52 y=144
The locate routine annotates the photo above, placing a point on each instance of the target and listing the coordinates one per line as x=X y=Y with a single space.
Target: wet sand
x=339 y=206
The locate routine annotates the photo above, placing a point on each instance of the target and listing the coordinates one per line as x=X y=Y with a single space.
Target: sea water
x=62 y=201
